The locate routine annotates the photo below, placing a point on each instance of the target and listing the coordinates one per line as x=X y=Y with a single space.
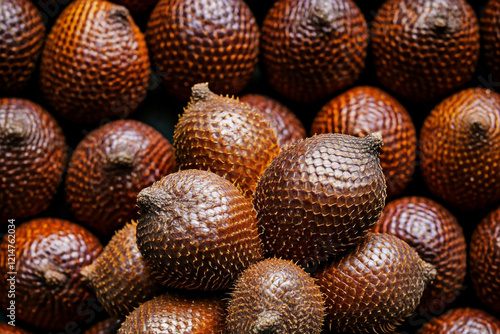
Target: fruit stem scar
x=52 y=277
x=267 y=322
x=200 y=91
x=375 y=142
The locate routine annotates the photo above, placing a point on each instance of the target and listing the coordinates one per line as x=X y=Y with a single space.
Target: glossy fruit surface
x=462 y=321
x=490 y=33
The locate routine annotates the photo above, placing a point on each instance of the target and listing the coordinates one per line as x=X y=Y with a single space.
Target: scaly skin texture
x=462 y=321
x=275 y=296
x=107 y=326
x=490 y=33
x=364 y=110
x=21 y=41
x=196 y=231
x=375 y=286
x=95 y=62
x=193 y=41
x=425 y=49
x=313 y=48
x=484 y=260
x=437 y=237
x=320 y=196
x=109 y=167
x=460 y=148
x=33 y=156
x=49 y=255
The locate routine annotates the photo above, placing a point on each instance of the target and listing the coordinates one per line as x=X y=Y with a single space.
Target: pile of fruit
x=232 y=167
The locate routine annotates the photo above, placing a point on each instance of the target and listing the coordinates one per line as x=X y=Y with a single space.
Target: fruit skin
x=460 y=147
x=49 y=253
x=484 y=260
x=375 y=286
x=225 y=136
x=33 y=156
x=320 y=196
x=275 y=296
x=95 y=63
x=193 y=41
x=107 y=326
x=425 y=49
x=490 y=33
x=196 y=231
x=109 y=167
x=364 y=110
x=21 y=41
x=437 y=237
x=311 y=49
x=8 y=329
x=462 y=321
x=119 y=276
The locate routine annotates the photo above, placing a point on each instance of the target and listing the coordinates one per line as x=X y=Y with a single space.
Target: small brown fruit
x=107 y=326
x=462 y=321
x=490 y=33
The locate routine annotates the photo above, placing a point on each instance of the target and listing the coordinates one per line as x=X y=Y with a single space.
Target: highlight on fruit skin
x=465 y=320
x=375 y=286
x=275 y=296
x=196 y=231
x=33 y=154
x=320 y=196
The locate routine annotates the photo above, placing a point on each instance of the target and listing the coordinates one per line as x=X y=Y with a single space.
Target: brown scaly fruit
x=320 y=196
x=462 y=321
x=425 y=49
x=460 y=149
x=484 y=260
x=109 y=167
x=119 y=277
x=193 y=41
x=107 y=326
x=33 y=156
x=49 y=255
x=196 y=230
x=313 y=48
x=21 y=41
x=287 y=126
x=225 y=136
x=275 y=296
x=9 y=329
x=375 y=286
x=490 y=33
x=437 y=237
x=95 y=62
x=364 y=110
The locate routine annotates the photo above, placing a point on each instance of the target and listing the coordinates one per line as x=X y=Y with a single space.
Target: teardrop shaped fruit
x=193 y=41
x=460 y=149
x=484 y=260
x=320 y=196
x=364 y=110
x=425 y=49
x=33 y=156
x=287 y=126
x=275 y=296
x=437 y=237
x=311 y=49
x=462 y=321
x=9 y=329
x=490 y=33
x=21 y=41
x=375 y=286
x=119 y=277
x=109 y=167
x=95 y=62
x=196 y=230
x=225 y=136
x=49 y=254
x=107 y=326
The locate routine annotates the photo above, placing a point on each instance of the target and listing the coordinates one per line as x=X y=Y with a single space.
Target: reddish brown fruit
x=95 y=62
x=193 y=41
x=364 y=110
x=460 y=149
x=425 y=49
x=462 y=321
x=107 y=326
x=320 y=196
x=8 y=329
x=225 y=136
x=21 y=41
x=196 y=230
x=375 y=286
x=490 y=33
x=49 y=255
x=287 y=126
x=438 y=239
x=484 y=256
x=33 y=156
x=311 y=49
x=109 y=167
